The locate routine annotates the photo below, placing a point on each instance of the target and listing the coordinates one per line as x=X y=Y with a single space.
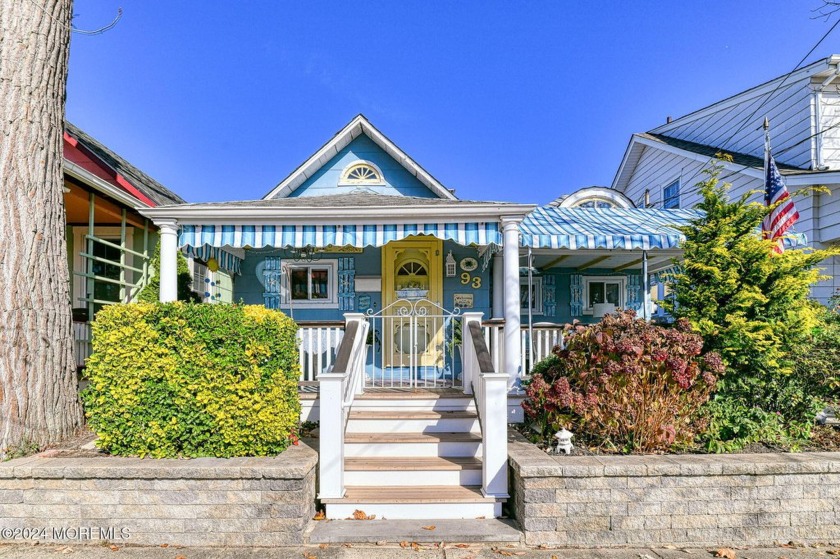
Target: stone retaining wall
x=204 y=501
x=740 y=499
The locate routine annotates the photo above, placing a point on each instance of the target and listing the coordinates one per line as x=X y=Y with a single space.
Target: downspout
x=530 y=311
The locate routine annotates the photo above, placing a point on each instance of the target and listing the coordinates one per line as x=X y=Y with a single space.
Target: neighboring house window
x=201 y=280
x=603 y=290
x=312 y=285
x=361 y=173
x=595 y=203
x=535 y=299
x=105 y=265
x=671 y=195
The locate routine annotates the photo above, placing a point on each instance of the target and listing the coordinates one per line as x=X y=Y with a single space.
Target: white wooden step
x=413 y=471
x=392 y=502
x=385 y=421
x=412 y=444
x=420 y=400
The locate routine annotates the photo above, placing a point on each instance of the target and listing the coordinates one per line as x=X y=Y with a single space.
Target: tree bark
x=39 y=402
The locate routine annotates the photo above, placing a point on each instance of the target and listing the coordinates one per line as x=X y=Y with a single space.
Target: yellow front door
x=412 y=293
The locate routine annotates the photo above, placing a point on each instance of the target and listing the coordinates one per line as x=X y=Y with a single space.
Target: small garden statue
x=564 y=440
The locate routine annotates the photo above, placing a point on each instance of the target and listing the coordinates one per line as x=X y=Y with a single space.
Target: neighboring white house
x=804 y=113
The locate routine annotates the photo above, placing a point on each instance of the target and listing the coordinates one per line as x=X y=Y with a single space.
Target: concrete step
x=397 y=502
x=413 y=471
x=418 y=421
x=491 y=530
x=412 y=444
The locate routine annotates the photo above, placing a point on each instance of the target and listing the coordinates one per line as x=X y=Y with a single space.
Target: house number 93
x=474 y=281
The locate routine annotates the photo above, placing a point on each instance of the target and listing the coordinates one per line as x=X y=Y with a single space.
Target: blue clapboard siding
x=398 y=180
x=250 y=290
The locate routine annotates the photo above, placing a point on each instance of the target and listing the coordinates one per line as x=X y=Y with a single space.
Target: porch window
x=599 y=290
x=312 y=285
x=534 y=299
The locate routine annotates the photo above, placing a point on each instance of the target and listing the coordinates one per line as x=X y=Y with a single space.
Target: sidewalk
x=425 y=551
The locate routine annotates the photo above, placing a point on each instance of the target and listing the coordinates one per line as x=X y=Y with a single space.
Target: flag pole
x=766 y=145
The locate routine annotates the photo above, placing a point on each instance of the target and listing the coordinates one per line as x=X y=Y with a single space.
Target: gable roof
x=359 y=125
x=148 y=187
x=819 y=68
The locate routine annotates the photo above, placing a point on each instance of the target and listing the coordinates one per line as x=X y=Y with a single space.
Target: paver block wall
x=205 y=501
x=738 y=499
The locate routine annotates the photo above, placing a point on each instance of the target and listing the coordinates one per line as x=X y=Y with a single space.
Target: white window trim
x=622 y=290
x=80 y=246
x=344 y=181
x=678 y=180
x=536 y=284
x=329 y=303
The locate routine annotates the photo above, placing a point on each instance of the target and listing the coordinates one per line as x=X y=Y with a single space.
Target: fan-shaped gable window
x=361 y=172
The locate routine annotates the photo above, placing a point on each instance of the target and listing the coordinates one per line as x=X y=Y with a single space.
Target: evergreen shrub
x=625 y=384
x=751 y=306
x=188 y=380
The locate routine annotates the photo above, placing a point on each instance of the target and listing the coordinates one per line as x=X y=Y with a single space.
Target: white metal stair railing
x=413 y=345
x=338 y=388
x=490 y=389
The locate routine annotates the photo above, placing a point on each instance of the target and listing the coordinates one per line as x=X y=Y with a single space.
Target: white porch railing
x=545 y=339
x=319 y=342
x=317 y=346
x=490 y=389
x=338 y=389
x=81 y=342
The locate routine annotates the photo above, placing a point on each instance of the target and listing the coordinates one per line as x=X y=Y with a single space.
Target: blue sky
x=513 y=101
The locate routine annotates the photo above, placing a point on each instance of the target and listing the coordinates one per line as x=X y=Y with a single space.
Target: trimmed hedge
x=188 y=380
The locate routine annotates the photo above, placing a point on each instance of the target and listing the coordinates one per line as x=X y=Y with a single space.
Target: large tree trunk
x=39 y=401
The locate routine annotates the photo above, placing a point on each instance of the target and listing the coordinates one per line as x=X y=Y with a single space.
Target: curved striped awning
x=321 y=236
x=605 y=228
x=227 y=261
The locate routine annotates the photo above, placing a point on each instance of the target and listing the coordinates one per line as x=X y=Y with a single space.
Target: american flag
x=784 y=215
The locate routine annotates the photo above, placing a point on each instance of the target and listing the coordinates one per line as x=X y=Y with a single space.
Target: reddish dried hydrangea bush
x=626 y=384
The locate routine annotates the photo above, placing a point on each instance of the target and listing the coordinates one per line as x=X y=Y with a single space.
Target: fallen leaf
x=403 y=543
x=66 y=549
x=462 y=545
x=725 y=552
x=431 y=527
x=307 y=555
x=180 y=557
x=113 y=548
x=319 y=515
x=323 y=546
x=347 y=545
x=164 y=545
x=415 y=546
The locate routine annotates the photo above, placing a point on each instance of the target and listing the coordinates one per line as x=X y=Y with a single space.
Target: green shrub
x=625 y=384
x=751 y=306
x=186 y=380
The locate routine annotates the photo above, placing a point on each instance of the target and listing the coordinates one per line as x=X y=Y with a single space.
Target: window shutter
x=549 y=304
x=272 y=279
x=347 y=284
x=576 y=303
x=632 y=296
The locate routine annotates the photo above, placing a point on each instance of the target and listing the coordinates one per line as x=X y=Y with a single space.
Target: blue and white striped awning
x=605 y=228
x=226 y=260
x=321 y=236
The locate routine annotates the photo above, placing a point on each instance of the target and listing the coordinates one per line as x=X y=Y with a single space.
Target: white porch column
x=498 y=287
x=513 y=343
x=168 y=260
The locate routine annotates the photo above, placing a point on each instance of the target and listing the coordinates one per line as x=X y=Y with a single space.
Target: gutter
x=85 y=176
